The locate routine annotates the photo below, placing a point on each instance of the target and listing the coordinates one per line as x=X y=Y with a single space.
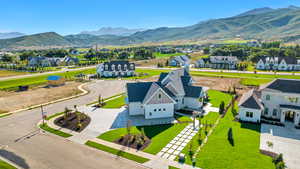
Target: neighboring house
x=277 y=101
x=41 y=61
x=116 y=69
x=68 y=60
x=218 y=62
x=178 y=61
x=279 y=63
x=173 y=91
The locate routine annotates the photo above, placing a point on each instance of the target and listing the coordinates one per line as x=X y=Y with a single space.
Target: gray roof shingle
x=250 y=100
x=284 y=85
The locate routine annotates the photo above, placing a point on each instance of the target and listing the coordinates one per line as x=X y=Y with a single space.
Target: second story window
x=119 y=67
x=113 y=67
x=131 y=66
x=125 y=67
x=268 y=97
x=106 y=67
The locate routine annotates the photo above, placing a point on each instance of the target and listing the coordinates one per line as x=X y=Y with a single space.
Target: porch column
x=282 y=116
x=297 y=118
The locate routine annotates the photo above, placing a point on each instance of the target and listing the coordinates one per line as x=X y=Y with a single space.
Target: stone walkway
x=173 y=149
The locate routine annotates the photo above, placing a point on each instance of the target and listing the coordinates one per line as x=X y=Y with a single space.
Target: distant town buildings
x=218 y=62
x=116 y=69
x=278 y=63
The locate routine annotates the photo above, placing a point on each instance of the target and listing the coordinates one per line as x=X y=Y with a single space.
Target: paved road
x=193 y=69
x=22 y=142
x=45 y=73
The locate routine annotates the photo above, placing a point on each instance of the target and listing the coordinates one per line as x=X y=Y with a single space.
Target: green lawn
x=209 y=119
x=94 y=102
x=171 y=167
x=115 y=103
x=4 y=165
x=54 y=131
x=12 y=84
x=254 y=82
x=216 y=97
x=117 y=152
x=160 y=135
x=160 y=55
x=218 y=153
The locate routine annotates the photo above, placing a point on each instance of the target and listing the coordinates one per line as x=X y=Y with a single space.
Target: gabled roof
x=192 y=91
x=137 y=91
x=283 y=85
x=162 y=76
x=250 y=100
x=153 y=88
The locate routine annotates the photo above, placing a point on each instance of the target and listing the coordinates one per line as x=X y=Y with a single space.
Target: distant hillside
x=263 y=23
x=119 y=31
x=42 y=39
x=8 y=35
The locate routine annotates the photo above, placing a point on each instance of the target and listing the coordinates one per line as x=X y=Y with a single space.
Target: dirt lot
x=10 y=101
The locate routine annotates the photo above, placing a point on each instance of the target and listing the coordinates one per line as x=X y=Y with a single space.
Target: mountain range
x=262 y=23
x=119 y=31
x=7 y=35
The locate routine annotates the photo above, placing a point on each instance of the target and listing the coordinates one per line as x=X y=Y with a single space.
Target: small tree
x=230 y=136
x=191 y=148
x=100 y=100
x=222 y=107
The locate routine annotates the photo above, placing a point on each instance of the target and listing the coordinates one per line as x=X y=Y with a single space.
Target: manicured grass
x=210 y=120
x=216 y=97
x=171 y=167
x=54 y=131
x=94 y=102
x=5 y=165
x=182 y=118
x=218 y=153
x=12 y=84
x=5 y=115
x=254 y=82
x=54 y=115
x=160 y=135
x=115 y=103
x=117 y=152
x=160 y=55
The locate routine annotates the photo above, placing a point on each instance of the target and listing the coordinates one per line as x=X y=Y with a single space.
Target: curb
x=80 y=87
x=10 y=163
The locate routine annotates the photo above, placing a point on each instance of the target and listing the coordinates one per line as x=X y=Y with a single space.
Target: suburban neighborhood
x=203 y=88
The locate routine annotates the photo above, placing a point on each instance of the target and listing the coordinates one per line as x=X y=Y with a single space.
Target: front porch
x=290 y=113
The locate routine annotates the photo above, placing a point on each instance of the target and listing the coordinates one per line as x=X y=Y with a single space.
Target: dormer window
x=131 y=66
x=119 y=67
x=106 y=67
x=125 y=67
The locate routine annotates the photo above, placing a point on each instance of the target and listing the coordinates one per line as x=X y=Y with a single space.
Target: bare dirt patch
x=10 y=101
x=151 y=62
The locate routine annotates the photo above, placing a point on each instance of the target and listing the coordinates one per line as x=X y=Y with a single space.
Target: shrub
x=230 y=136
x=222 y=107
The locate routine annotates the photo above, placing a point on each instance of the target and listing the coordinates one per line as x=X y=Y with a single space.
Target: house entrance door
x=290 y=116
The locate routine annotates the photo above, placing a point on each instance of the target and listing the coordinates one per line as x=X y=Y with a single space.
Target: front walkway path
x=173 y=149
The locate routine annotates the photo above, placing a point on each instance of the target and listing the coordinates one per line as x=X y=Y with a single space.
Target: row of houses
x=116 y=69
x=217 y=62
x=279 y=63
x=41 y=61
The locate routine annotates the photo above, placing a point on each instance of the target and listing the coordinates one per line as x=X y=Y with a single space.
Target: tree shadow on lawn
x=251 y=126
x=11 y=156
x=152 y=131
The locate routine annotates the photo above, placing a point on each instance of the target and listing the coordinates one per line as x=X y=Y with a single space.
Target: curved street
x=22 y=142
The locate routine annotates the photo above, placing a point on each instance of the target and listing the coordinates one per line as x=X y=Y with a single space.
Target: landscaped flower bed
x=75 y=121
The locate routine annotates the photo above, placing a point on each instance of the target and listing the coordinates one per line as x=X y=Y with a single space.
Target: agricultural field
x=160 y=55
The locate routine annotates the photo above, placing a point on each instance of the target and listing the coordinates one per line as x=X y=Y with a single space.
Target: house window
x=125 y=67
x=274 y=112
x=113 y=67
x=159 y=109
x=164 y=109
x=150 y=114
x=249 y=114
x=131 y=66
x=154 y=109
x=119 y=67
x=268 y=97
x=106 y=67
x=266 y=111
x=159 y=96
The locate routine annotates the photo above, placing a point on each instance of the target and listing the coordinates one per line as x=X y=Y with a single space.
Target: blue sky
x=74 y=16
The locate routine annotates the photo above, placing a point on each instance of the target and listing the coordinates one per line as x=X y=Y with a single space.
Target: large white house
x=173 y=91
x=278 y=63
x=277 y=101
x=116 y=69
x=218 y=62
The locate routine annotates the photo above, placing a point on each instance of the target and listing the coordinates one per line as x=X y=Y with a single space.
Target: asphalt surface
x=22 y=142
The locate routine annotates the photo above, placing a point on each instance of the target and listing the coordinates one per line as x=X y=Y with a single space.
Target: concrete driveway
x=286 y=140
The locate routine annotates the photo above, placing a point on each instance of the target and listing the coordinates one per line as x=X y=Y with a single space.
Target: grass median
x=5 y=165
x=117 y=152
x=54 y=131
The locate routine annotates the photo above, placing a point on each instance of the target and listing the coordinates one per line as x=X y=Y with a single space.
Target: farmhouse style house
x=116 y=69
x=218 y=62
x=41 y=61
x=179 y=61
x=278 y=63
x=173 y=91
x=277 y=101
